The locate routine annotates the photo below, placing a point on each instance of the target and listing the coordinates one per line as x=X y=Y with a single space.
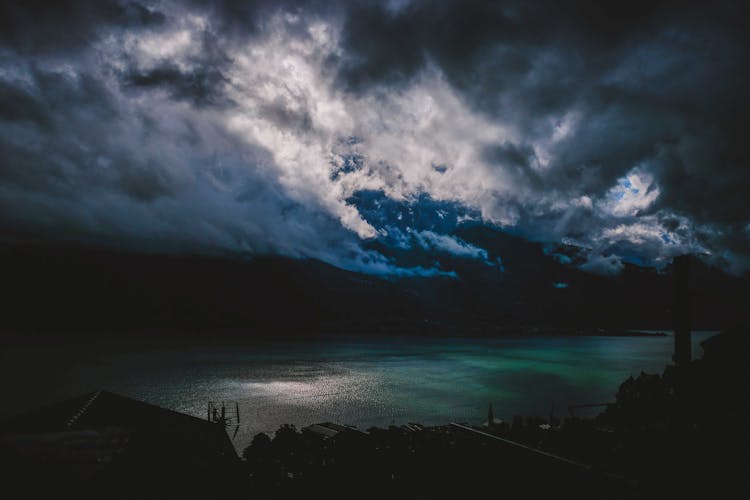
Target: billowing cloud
x=312 y=129
x=449 y=244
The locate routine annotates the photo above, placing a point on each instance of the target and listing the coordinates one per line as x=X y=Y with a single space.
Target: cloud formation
x=311 y=129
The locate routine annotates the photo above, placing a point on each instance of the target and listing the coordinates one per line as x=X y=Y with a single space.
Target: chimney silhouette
x=682 y=310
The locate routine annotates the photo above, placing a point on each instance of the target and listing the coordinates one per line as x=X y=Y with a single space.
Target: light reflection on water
x=373 y=381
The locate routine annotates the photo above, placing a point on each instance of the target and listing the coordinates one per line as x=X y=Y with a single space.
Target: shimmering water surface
x=359 y=381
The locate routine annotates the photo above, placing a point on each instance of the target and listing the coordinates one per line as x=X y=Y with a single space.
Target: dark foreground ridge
x=64 y=293
x=683 y=433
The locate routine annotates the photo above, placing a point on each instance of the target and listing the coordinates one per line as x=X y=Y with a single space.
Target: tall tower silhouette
x=682 y=310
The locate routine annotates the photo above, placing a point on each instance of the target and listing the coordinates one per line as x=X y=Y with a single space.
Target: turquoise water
x=369 y=381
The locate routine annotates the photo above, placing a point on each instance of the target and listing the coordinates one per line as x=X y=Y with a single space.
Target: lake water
x=361 y=381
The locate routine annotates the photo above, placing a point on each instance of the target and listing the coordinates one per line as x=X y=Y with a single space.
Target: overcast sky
x=310 y=129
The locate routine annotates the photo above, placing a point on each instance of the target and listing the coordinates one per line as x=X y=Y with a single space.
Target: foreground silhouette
x=679 y=433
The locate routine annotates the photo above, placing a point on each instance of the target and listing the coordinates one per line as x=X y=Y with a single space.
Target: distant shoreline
x=168 y=339
x=164 y=339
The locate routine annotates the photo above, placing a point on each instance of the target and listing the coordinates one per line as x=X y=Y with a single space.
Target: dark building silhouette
x=104 y=445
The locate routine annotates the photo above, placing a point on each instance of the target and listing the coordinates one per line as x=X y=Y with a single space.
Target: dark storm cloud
x=202 y=85
x=82 y=161
x=18 y=105
x=199 y=78
x=619 y=127
x=35 y=26
x=40 y=120
x=663 y=82
x=674 y=103
x=518 y=159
